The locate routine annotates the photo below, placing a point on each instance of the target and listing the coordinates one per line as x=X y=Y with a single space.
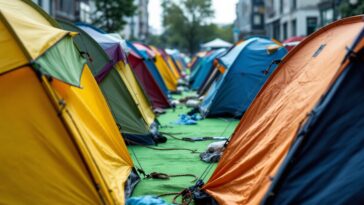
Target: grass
x=178 y=161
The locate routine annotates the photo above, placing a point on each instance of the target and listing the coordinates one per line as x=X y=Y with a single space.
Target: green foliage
x=346 y=9
x=212 y=31
x=185 y=22
x=110 y=13
x=187 y=25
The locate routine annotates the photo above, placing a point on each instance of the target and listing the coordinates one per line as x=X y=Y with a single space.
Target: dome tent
x=158 y=98
x=130 y=108
x=58 y=135
x=248 y=65
x=267 y=130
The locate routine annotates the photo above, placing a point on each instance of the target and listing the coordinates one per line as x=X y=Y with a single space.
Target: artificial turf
x=178 y=161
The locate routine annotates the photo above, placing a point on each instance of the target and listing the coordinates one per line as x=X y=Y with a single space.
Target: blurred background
x=188 y=24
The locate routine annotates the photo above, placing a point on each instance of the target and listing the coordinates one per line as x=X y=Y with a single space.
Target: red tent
x=292 y=42
x=159 y=100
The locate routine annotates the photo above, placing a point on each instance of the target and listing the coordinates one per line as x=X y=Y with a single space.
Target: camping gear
x=284 y=106
x=215 y=74
x=146 y=200
x=107 y=60
x=150 y=85
x=57 y=134
x=247 y=66
x=192 y=103
x=149 y=62
x=327 y=153
x=184 y=119
x=168 y=77
x=194 y=139
x=205 y=69
x=172 y=65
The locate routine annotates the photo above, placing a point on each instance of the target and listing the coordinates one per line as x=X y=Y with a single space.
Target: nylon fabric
x=51 y=64
x=98 y=58
x=156 y=95
x=11 y=53
x=120 y=94
x=265 y=133
x=117 y=95
x=245 y=75
x=123 y=107
x=206 y=69
x=38 y=157
x=151 y=67
x=132 y=83
x=28 y=39
x=88 y=108
x=167 y=75
x=173 y=67
x=328 y=167
x=34 y=31
x=169 y=79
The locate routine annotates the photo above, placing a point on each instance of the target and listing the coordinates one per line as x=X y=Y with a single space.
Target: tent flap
x=63 y=62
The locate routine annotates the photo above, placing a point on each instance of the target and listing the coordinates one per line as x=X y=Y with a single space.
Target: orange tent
x=266 y=131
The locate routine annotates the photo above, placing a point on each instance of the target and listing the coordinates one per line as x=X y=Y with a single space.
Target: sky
x=224 y=13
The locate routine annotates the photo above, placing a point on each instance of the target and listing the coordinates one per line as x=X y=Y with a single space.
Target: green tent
x=126 y=111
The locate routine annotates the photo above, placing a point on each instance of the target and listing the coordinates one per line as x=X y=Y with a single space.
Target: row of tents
x=72 y=96
x=230 y=79
x=300 y=137
x=69 y=97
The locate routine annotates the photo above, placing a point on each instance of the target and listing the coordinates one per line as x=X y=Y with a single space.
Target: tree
x=110 y=14
x=347 y=9
x=212 y=31
x=185 y=20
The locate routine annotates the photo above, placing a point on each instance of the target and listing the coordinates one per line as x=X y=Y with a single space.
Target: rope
x=162 y=149
x=208 y=168
x=171 y=135
x=157 y=175
x=186 y=197
x=168 y=194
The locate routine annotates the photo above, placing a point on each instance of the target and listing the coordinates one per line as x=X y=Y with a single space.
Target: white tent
x=216 y=43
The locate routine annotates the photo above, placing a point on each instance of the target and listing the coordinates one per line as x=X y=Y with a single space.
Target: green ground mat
x=178 y=162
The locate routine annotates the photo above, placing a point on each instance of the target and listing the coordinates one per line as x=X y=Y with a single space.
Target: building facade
x=70 y=10
x=289 y=18
x=138 y=26
x=329 y=11
x=249 y=18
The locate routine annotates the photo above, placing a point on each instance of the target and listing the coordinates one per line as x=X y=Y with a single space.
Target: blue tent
x=326 y=162
x=248 y=65
x=206 y=68
x=196 y=67
x=151 y=67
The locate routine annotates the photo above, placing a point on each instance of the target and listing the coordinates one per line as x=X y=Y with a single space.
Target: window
x=281 y=6
x=276 y=30
x=311 y=24
x=66 y=6
x=285 y=36
x=294 y=4
x=294 y=27
x=257 y=20
x=327 y=16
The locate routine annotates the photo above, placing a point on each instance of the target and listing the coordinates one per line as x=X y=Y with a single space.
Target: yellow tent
x=169 y=78
x=59 y=143
x=138 y=94
x=169 y=61
x=172 y=67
